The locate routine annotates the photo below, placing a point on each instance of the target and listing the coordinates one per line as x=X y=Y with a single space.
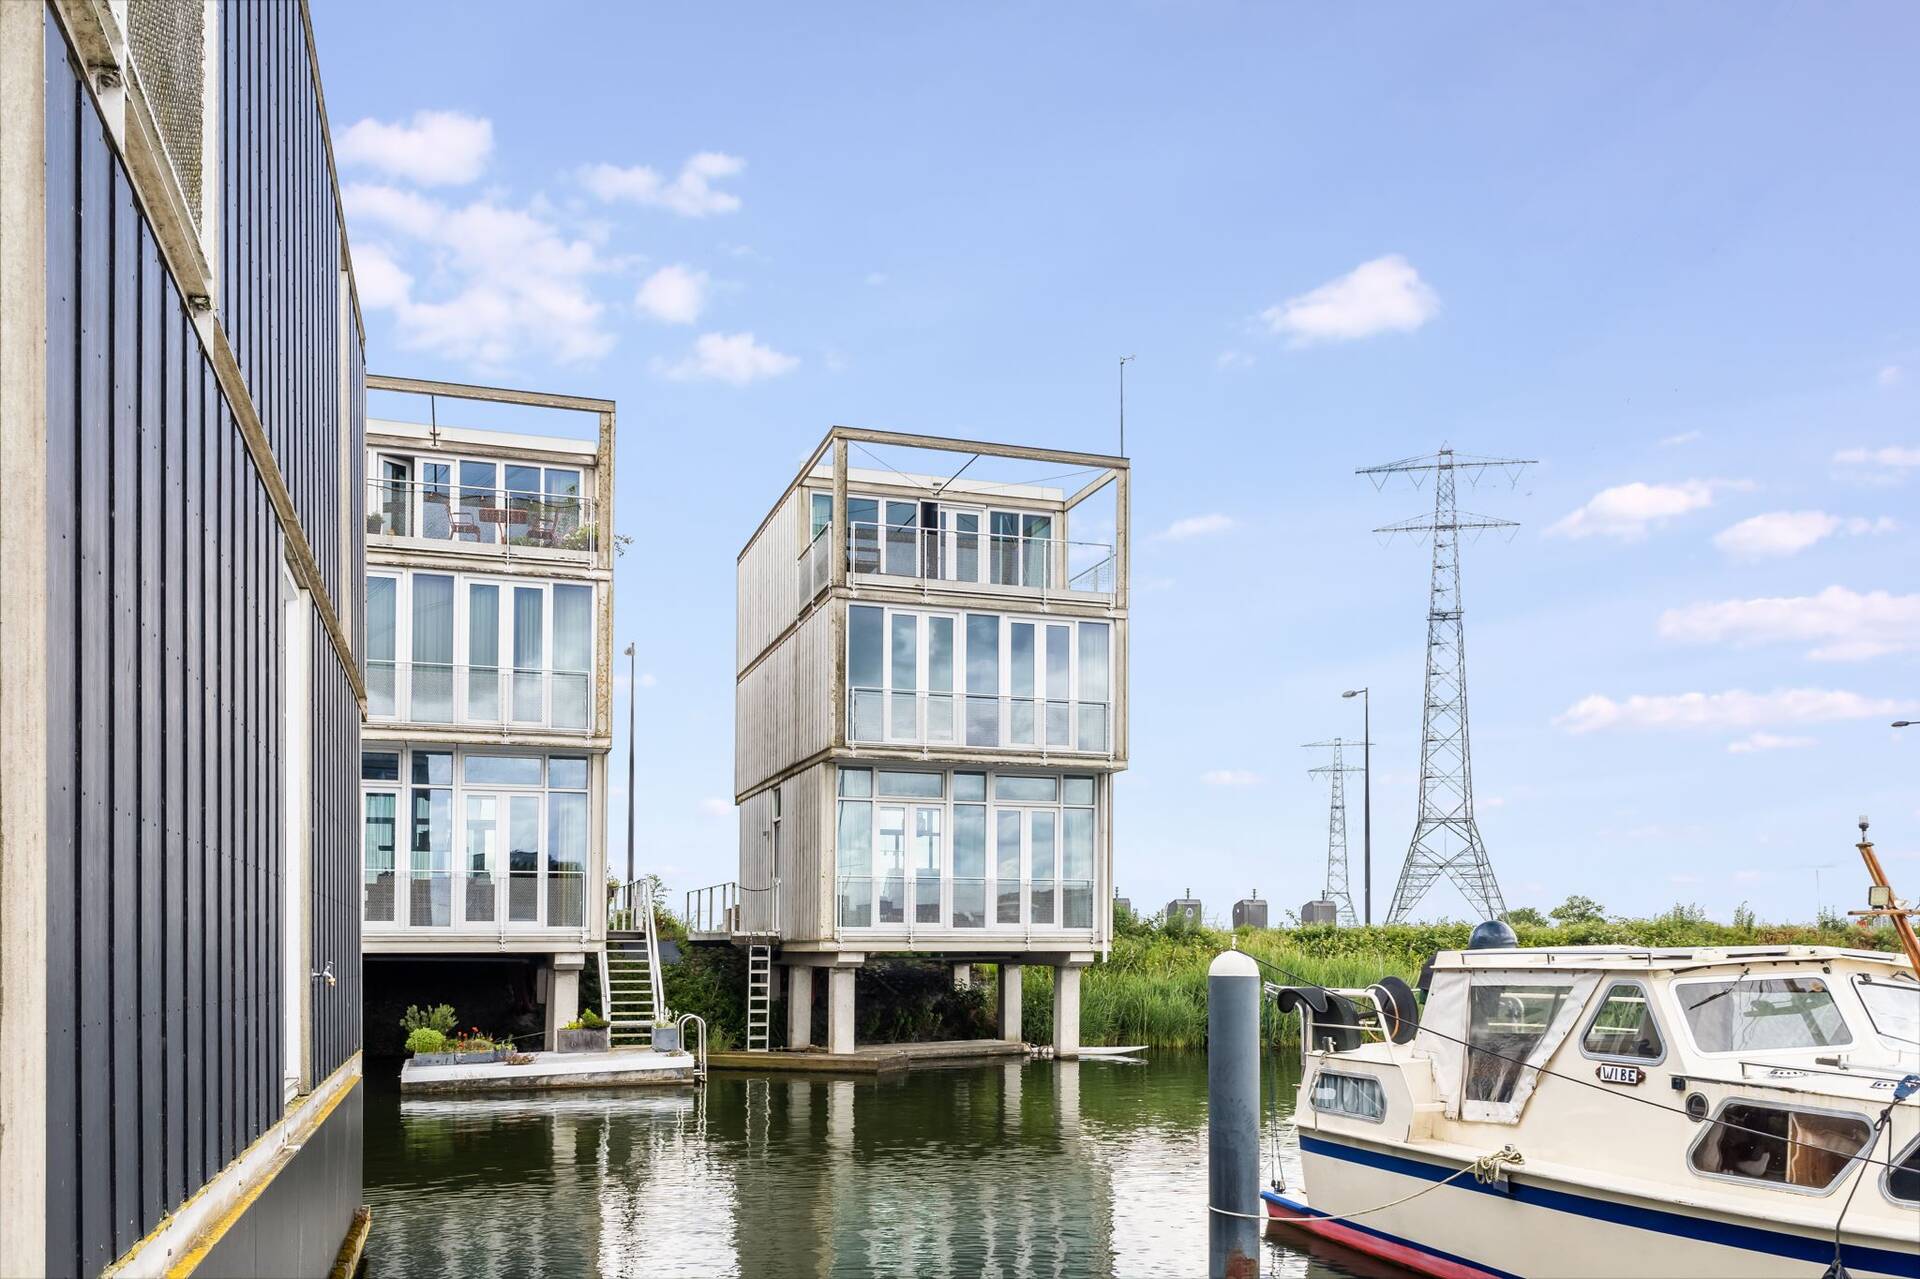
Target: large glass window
x=1008 y=824
x=381 y=638
x=1779 y=1145
x=855 y=855
x=865 y=671
x=1624 y=1026
x=430 y=881
x=572 y=654
x=983 y=679
x=523 y=859
x=478 y=519
x=566 y=858
x=483 y=857
x=903 y=538
x=503 y=770
x=1021 y=720
x=939 y=713
x=1076 y=867
x=969 y=864
x=1755 y=1014
x=432 y=648
x=1059 y=686
x=529 y=653
x=904 y=715
x=483 y=652
x=863 y=533
x=1094 y=719
x=377 y=856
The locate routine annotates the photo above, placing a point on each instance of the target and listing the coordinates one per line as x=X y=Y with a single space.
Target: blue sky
x=1668 y=252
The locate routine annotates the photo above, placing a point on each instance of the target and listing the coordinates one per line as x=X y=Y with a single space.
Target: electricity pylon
x=1446 y=840
x=1336 y=886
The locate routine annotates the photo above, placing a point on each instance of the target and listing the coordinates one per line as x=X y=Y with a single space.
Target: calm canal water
x=1041 y=1168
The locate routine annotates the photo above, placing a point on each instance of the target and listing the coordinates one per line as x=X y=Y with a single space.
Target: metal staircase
x=630 y=979
x=759 y=997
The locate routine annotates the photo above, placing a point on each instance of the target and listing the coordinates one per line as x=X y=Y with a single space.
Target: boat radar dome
x=1492 y=935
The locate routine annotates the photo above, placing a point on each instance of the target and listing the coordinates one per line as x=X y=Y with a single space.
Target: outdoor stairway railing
x=759 y=997
x=630 y=977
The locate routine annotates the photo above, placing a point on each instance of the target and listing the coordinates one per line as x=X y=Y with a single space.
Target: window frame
x=1714 y=1121
x=1608 y=986
x=1378 y=1086
x=416 y=461
x=1910 y=1151
x=1679 y=989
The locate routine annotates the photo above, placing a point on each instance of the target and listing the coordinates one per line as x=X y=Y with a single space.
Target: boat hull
x=1544 y=1230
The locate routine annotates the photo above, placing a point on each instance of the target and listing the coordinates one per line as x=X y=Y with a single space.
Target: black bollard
x=1233 y=1117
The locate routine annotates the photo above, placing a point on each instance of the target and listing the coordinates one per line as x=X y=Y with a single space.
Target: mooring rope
x=1484 y=1169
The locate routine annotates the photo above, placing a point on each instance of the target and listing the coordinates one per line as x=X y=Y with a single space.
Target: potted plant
x=432 y=1040
x=587 y=1033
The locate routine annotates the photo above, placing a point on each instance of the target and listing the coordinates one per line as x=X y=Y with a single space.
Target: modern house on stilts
x=489 y=687
x=929 y=714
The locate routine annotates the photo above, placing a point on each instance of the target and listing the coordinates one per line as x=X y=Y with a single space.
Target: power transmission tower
x=1336 y=887
x=1446 y=840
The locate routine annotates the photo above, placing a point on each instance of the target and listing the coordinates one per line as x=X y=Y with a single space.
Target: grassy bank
x=1152 y=988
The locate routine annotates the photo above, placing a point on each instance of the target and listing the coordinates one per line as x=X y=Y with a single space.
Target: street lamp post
x=633 y=695
x=1366 y=784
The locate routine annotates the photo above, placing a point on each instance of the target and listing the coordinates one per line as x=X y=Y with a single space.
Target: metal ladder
x=759 y=997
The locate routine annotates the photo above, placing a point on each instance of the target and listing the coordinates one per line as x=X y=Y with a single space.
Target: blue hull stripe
x=1727 y=1234
x=1305 y=1211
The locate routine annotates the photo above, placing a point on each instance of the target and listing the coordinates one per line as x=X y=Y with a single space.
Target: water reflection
x=1044 y=1168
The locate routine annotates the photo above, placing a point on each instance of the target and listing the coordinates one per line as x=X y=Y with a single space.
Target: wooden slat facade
x=166 y=980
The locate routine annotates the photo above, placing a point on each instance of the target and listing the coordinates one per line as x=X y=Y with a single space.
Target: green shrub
x=439 y=1017
x=425 y=1039
x=587 y=1020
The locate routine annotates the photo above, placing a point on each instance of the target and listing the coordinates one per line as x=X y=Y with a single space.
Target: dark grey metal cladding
x=280 y=258
x=166 y=986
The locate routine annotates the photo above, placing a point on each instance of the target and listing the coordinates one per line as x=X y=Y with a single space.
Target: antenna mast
x=1446 y=839
x=1336 y=885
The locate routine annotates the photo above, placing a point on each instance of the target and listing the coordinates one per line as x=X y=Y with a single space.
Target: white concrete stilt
x=840 y=1010
x=1066 y=1011
x=799 y=1006
x=1010 y=1002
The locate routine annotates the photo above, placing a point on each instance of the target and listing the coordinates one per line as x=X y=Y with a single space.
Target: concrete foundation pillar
x=1010 y=1002
x=563 y=993
x=1066 y=1011
x=799 y=1006
x=840 y=1010
x=963 y=976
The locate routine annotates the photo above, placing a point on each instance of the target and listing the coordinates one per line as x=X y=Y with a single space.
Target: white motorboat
x=1611 y=1111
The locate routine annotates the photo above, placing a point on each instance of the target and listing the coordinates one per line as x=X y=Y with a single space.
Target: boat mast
x=1882 y=903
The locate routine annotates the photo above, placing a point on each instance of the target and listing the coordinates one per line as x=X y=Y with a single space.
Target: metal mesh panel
x=167 y=40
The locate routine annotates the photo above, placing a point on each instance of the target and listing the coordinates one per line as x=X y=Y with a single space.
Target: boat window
x=1903 y=1179
x=1505 y=1025
x=1355 y=1096
x=1893 y=1005
x=1754 y=1141
x=1624 y=1026
x=1757 y=1014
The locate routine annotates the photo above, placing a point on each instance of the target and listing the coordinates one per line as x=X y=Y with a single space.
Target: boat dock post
x=1233 y=1117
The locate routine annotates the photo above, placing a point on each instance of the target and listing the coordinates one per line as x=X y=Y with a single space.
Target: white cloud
x=1196 y=526
x=1683 y=878
x=435 y=148
x=1674 y=441
x=1385 y=295
x=1230 y=777
x=673 y=295
x=381 y=281
x=1890 y=375
x=1232 y=359
x=1888 y=465
x=728 y=357
x=647 y=680
x=1842 y=625
x=1766 y=742
x=1627 y=511
x=1790 y=532
x=501 y=282
x=1734 y=709
x=691 y=192
x=714 y=806
x=1490 y=801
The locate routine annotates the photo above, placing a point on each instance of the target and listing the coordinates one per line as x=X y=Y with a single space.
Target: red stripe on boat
x=1405 y=1255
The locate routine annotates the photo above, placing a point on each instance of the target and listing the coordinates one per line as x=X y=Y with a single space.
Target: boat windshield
x=1758 y=1014
x=1893 y=1005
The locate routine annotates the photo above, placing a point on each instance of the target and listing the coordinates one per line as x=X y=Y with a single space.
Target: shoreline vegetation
x=1152 y=987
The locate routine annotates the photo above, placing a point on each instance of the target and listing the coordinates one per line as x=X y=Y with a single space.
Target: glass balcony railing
x=916 y=718
x=451 y=899
x=444 y=693
x=503 y=518
x=963 y=558
x=912 y=901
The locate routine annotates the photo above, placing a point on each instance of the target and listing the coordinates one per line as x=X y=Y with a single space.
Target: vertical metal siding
x=165 y=849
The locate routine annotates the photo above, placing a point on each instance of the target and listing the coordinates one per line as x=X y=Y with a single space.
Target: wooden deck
x=873 y=1059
